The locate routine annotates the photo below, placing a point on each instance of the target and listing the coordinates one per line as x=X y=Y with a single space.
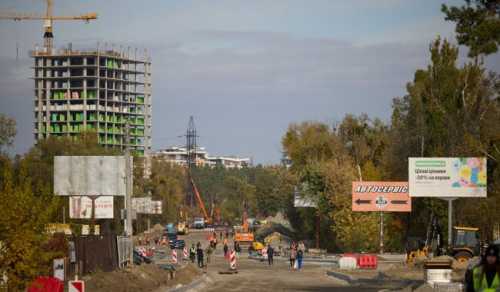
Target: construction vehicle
x=465 y=243
x=182 y=226
x=206 y=218
x=48 y=19
x=243 y=235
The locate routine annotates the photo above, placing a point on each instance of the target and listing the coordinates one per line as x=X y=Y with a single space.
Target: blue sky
x=244 y=69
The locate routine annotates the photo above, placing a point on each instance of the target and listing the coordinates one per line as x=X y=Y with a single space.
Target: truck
x=199 y=223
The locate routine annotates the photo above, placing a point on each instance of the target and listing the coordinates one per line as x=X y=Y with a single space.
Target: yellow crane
x=48 y=19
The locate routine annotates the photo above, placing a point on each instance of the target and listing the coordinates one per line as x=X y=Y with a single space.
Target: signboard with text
x=447 y=177
x=380 y=196
x=81 y=207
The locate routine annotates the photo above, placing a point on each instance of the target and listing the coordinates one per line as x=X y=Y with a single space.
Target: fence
x=124 y=249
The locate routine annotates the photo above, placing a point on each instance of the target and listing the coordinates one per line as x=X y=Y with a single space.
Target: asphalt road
x=254 y=275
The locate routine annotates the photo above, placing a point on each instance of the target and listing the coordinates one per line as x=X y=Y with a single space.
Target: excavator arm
x=200 y=201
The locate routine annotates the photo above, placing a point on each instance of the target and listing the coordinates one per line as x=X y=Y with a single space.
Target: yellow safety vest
x=481 y=284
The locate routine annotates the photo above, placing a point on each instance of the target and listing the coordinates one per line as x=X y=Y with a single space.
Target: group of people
x=197 y=253
x=296 y=255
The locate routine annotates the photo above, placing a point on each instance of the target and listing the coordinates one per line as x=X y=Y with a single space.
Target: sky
x=245 y=70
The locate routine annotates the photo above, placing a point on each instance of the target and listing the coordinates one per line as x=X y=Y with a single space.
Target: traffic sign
x=76 y=286
x=380 y=196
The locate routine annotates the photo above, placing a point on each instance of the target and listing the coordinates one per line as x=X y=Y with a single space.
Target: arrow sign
x=359 y=201
x=380 y=197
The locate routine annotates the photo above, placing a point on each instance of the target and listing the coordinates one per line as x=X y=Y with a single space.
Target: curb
x=196 y=285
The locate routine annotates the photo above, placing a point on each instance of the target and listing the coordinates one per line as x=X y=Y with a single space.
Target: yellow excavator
x=465 y=243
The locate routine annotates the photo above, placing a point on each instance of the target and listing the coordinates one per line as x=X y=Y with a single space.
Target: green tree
x=449 y=111
x=477 y=25
x=22 y=229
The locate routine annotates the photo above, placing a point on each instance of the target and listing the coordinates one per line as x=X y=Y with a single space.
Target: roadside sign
x=89 y=175
x=447 y=176
x=59 y=269
x=76 y=286
x=380 y=197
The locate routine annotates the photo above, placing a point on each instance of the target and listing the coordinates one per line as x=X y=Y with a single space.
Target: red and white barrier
x=174 y=256
x=232 y=260
x=186 y=255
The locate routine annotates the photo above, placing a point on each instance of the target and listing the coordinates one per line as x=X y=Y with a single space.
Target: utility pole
x=128 y=192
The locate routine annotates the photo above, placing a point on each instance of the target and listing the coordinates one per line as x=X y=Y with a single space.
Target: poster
x=447 y=177
x=81 y=207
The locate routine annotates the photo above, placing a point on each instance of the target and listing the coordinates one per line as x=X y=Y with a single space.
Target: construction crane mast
x=48 y=19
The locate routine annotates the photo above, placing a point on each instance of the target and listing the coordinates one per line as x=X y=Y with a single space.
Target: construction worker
x=486 y=275
x=199 y=253
x=192 y=253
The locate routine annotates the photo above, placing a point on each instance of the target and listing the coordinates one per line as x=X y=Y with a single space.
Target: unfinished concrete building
x=104 y=91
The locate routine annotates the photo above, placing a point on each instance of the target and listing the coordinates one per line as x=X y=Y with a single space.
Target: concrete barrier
x=347 y=263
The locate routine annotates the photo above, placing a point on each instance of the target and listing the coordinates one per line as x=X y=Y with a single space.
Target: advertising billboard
x=380 y=196
x=300 y=200
x=81 y=207
x=89 y=175
x=447 y=177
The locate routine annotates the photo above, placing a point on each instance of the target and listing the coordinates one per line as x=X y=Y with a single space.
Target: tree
x=22 y=229
x=477 y=25
x=449 y=111
x=7 y=132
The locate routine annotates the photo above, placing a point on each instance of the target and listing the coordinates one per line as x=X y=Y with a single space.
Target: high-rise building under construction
x=103 y=91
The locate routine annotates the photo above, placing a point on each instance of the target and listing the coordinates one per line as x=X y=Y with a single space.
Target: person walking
x=226 y=248
x=300 y=254
x=221 y=236
x=199 y=253
x=192 y=253
x=270 y=254
x=209 y=253
x=237 y=247
x=293 y=256
x=485 y=277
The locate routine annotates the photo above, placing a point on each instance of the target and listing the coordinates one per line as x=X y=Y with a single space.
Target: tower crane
x=48 y=20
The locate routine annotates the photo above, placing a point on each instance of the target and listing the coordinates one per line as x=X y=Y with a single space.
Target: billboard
x=380 y=196
x=447 y=177
x=145 y=205
x=89 y=175
x=302 y=201
x=142 y=205
x=157 y=207
x=81 y=207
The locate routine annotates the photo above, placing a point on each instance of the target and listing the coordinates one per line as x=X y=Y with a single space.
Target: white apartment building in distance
x=178 y=156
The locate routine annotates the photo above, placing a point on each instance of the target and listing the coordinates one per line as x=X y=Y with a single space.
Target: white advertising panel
x=157 y=207
x=447 y=177
x=89 y=175
x=302 y=201
x=81 y=207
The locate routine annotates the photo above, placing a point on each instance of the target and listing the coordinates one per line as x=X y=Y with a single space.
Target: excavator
x=208 y=219
x=244 y=236
x=465 y=243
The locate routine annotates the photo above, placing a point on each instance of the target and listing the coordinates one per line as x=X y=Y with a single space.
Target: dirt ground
x=140 y=278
